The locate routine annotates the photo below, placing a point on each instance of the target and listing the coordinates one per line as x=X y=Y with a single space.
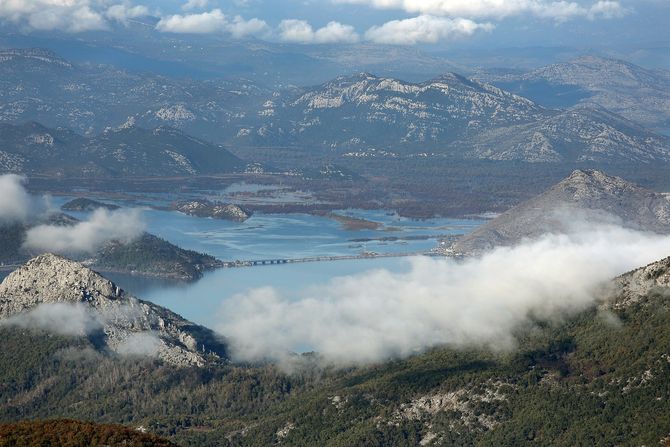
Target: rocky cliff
x=42 y=292
x=642 y=284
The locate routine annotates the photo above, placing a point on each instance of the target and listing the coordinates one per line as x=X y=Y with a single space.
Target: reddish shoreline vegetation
x=351 y=223
x=73 y=433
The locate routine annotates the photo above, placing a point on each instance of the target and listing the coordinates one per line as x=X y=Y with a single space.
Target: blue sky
x=426 y=23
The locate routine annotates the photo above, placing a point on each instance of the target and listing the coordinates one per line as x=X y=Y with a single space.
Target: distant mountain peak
x=594 y=59
x=450 y=77
x=579 y=175
x=594 y=180
x=591 y=194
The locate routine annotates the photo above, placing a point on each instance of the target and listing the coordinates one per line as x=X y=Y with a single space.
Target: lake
x=275 y=236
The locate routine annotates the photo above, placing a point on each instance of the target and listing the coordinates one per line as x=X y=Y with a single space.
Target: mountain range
x=135 y=45
x=451 y=116
x=359 y=116
x=364 y=111
x=38 y=85
x=634 y=92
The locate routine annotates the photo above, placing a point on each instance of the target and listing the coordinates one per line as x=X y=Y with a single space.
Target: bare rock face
x=117 y=320
x=585 y=193
x=52 y=279
x=642 y=283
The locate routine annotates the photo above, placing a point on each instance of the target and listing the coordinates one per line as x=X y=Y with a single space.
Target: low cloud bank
x=140 y=344
x=88 y=236
x=79 y=319
x=58 y=318
x=378 y=315
x=16 y=204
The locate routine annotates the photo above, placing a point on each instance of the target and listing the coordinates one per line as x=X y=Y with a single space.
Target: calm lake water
x=277 y=236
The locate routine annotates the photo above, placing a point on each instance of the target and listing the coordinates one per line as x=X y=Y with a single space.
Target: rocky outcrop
x=116 y=320
x=216 y=210
x=641 y=284
x=584 y=195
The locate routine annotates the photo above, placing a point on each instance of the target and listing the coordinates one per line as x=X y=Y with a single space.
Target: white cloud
x=607 y=9
x=87 y=236
x=300 y=31
x=477 y=302
x=59 y=318
x=80 y=319
x=195 y=4
x=424 y=29
x=16 y=204
x=240 y=27
x=203 y=23
x=123 y=12
x=144 y=344
x=67 y=15
x=214 y=21
x=498 y=9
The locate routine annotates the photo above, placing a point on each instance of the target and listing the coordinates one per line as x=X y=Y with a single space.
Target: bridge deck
x=260 y=262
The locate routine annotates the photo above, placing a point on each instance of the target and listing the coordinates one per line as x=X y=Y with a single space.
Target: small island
x=150 y=255
x=215 y=210
x=82 y=204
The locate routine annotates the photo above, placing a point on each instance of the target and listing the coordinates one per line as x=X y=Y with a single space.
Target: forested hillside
x=599 y=378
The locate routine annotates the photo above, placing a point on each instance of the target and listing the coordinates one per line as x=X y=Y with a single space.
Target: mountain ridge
x=128 y=151
x=585 y=194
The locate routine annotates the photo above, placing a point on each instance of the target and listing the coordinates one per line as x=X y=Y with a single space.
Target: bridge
x=365 y=255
